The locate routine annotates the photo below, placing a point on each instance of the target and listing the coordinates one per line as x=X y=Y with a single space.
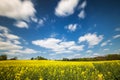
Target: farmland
x=59 y=70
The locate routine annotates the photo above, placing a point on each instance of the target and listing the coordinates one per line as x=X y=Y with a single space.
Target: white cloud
x=81 y=15
x=10 y=44
x=91 y=39
x=106 y=49
x=96 y=54
x=89 y=51
x=21 y=24
x=4 y=29
x=117 y=29
x=76 y=48
x=116 y=36
x=17 y=9
x=1 y=38
x=53 y=35
x=83 y=5
x=117 y=50
x=111 y=44
x=16 y=42
x=58 y=46
x=74 y=56
x=5 y=33
x=67 y=44
x=7 y=38
x=34 y=19
x=66 y=7
x=23 y=51
x=105 y=43
x=28 y=51
x=40 y=22
x=47 y=43
x=71 y=27
x=12 y=36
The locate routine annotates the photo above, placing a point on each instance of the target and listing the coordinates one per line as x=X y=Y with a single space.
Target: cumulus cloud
x=34 y=19
x=5 y=33
x=117 y=29
x=40 y=22
x=76 y=48
x=47 y=43
x=74 y=56
x=66 y=7
x=23 y=51
x=11 y=36
x=105 y=43
x=91 y=39
x=4 y=29
x=21 y=24
x=89 y=51
x=81 y=15
x=53 y=35
x=106 y=49
x=116 y=36
x=71 y=27
x=9 y=46
x=17 y=9
x=96 y=54
x=16 y=42
x=10 y=43
x=83 y=5
x=7 y=39
x=58 y=46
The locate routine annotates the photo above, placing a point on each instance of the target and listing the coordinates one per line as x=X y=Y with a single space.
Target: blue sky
x=59 y=28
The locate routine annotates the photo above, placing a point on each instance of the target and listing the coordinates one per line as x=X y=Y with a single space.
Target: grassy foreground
x=59 y=70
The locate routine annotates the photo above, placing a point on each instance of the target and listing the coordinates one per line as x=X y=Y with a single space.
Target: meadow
x=59 y=70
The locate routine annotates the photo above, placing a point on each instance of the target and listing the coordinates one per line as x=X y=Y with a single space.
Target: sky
x=57 y=29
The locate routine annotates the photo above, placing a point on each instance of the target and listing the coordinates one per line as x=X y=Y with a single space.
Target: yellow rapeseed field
x=59 y=70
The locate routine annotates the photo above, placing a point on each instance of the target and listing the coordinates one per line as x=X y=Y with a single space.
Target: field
x=59 y=70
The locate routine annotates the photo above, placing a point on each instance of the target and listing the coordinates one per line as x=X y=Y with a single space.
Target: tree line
x=38 y=58
x=98 y=58
x=4 y=57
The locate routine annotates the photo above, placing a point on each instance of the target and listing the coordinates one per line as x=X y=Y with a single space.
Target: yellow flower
x=40 y=79
x=109 y=73
x=83 y=72
x=62 y=71
x=100 y=75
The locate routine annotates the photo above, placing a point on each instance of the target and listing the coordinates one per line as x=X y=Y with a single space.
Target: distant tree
x=113 y=57
x=14 y=58
x=65 y=59
x=3 y=57
x=32 y=58
x=98 y=58
x=41 y=58
x=38 y=58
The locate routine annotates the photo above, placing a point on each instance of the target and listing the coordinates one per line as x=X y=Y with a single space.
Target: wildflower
x=40 y=79
x=62 y=71
x=83 y=72
x=109 y=73
x=100 y=76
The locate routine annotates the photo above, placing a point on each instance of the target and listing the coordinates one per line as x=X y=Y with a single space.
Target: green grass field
x=59 y=70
